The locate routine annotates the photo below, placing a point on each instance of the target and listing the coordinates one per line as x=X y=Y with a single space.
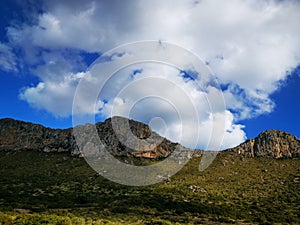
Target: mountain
x=57 y=188
x=17 y=135
x=270 y=143
x=243 y=185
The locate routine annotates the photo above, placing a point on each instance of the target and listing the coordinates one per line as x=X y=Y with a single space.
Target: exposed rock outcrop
x=18 y=135
x=140 y=141
x=270 y=143
x=123 y=137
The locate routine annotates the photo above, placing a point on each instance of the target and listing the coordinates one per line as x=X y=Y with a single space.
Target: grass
x=55 y=188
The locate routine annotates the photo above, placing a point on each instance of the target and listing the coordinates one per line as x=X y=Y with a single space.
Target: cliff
x=270 y=143
x=17 y=135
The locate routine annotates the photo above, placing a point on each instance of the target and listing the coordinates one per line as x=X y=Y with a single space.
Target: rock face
x=142 y=141
x=17 y=135
x=123 y=137
x=270 y=143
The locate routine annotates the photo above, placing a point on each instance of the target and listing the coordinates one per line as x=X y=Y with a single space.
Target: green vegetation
x=55 y=188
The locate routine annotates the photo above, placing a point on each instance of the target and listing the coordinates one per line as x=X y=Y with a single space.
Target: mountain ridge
x=16 y=135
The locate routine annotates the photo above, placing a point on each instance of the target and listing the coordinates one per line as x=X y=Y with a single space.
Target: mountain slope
x=48 y=186
x=54 y=188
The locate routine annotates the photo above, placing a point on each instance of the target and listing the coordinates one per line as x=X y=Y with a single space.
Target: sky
x=252 y=49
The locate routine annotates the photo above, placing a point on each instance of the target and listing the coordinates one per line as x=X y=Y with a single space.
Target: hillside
x=258 y=182
x=61 y=189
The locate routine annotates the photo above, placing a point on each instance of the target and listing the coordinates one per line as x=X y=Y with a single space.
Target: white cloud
x=159 y=91
x=250 y=45
x=55 y=97
x=8 y=61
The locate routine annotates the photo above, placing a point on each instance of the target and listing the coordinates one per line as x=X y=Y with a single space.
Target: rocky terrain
x=115 y=137
x=270 y=143
x=17 y=135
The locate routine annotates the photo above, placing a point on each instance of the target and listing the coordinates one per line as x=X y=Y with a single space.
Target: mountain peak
x=18 y=135
x=270 y=143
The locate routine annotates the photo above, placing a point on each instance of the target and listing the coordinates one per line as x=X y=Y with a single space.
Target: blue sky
x=253 y=48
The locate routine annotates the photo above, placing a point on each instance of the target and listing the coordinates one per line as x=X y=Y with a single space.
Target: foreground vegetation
x=55 y=188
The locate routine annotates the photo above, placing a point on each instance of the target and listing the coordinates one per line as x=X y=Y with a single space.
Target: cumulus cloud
x=191 y=115
x=250 y=45
x=159 y=91
x=55 y=97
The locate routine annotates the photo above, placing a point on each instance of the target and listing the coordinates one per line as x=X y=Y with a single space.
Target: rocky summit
x=270 y=143
x=17 y=135
x=140 y=141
